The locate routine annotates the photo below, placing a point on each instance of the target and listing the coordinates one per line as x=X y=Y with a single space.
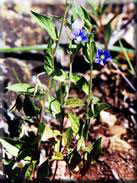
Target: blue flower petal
x=100 y=52
x=85 y=39
x=100 y=59
x=79 y=35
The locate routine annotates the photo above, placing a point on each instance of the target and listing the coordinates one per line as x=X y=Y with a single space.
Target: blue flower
x=79 y=35
x=103 y=56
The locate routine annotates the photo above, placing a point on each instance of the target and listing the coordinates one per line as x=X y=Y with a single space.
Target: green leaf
x=83 y=14
x=30 y=169
x=85 y=17
x=75 y=123
x=95 y=100
x=58 y=156
x=10 y=148
x=60 y=75
x=97 y=108
x=88 y=148
x=57 y=146
x=85 y=131
x=21 y=88
x=54 y=106
x=89 y=51
x=108 y=32
x=47 y=134
x=49 y=61
x=93 y=7
x=46 y=23
x=83 y=85
x=81 y=143
x=74 y=13
x=73 y=102
x=67 y=137
x=78 y=80
x=43 y=170
x=56 y=132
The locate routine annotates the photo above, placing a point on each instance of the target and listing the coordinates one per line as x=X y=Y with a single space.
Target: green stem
x=44 y=47
x=70 y=76
x=57 y=43
x=90 y=83
x=24 y=48
x=62 y=26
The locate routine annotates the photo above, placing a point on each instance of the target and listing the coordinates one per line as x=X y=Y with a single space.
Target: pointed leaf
x=83 y=14
x=30 y=169
x=49 y=61
x=46 y=23
x=74 y=102
x=81 y=143
x=93 y=7
x=57 y=146
x=47 y=134
x=67 y=137
x=75 y=123
x=21 y=88
x=10 y=148
x=54 y=106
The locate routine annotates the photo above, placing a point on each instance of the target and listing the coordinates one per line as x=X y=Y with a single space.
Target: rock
x=117 y=130
x=106 y=117
x=117 y=144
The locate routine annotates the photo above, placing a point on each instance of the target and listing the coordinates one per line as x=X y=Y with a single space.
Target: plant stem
x=56 y=167
x=57 y=43
x=16 y=75
x=44 y=47
x=62 y=26
x=54 y=52
x=70 y=76
x=90 y=83
x=24 y=48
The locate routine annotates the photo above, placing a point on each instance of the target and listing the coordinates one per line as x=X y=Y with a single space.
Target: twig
x=125 y=78
x=16 y=75
x=132 y=71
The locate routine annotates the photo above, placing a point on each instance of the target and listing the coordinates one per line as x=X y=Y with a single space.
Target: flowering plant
x=70 y=144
